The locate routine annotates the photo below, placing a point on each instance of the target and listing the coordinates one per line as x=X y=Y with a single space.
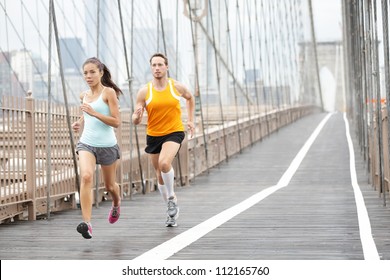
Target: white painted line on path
x=369 y=248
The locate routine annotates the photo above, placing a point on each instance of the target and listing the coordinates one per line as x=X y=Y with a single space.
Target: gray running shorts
x=103 y=155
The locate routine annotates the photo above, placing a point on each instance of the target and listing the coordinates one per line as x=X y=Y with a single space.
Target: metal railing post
x=30 y=156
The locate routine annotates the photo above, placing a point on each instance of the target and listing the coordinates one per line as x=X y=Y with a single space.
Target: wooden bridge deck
x=246 y=209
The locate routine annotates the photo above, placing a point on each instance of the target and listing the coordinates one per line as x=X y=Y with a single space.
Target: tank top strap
x=149 y=98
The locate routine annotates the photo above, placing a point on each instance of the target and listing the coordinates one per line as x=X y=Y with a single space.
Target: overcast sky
x=327 y=19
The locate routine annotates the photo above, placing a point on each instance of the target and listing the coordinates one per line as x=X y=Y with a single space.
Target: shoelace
x=114 y=212
x=171 y=204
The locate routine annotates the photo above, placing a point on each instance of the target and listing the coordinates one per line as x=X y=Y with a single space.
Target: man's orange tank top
x=163 y=108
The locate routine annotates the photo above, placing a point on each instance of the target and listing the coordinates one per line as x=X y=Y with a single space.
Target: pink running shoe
x=114 y=214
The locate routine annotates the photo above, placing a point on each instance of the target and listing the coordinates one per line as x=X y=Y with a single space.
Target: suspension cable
x=131 y=97
x=165 y=51
x=254 y=65
x=65 y=97
x=244 y=67
x=234 y=83
x=48 y=138
x=313 y=34
x=385 y=22
x=219 y=85
x=265 y=105
x=376 y=77
x=197 y=86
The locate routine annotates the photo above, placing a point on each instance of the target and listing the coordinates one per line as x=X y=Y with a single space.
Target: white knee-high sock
x=163 y=191
x=169 y=178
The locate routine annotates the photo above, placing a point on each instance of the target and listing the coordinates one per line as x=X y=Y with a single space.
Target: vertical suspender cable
x=368 y=88
x=219 y=85
x=97 y=177
x=285 y=56
x=234 y=81
x=65 y=98
x=315 y=51
x=376 y=76
x=197 y=86
x=359 y=77
x=8 y=52
x=385 y=24
x=363 y=80
x=162 y=27
x=177 y=41
x=268 y=56
x=273 y=34
x=261 y=65
x=254 y=67
x=131 y=97
x=97 y=28
x=48 y=137
x=244 y=68
x=368 y=71
x=166 y=53
x=24 y=40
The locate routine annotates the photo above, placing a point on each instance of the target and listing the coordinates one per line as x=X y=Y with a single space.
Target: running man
x=165 y=129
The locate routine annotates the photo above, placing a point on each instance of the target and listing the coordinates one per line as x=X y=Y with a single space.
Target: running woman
x=98 y=143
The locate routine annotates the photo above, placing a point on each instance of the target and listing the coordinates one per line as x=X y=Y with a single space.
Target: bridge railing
x=24 y=150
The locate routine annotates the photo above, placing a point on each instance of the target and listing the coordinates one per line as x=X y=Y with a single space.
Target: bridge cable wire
x=292 y=51
x=286 y=55
x=161 y=21
x=244 y=67
x=385 y=27
x=8 y=52
x=376 y=78
x=230 y=52
x=363 y=81
x=131 y=97
x=97 y=27
x=254 y=65
x=314 y=41
x=261 y=61
x=267 y=49
x=65 y=97
x=275 y=62
x=219 y=85
x=197 y=86
x=131 y=80
x=48 y=138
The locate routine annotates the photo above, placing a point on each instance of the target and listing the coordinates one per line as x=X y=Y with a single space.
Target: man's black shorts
x=154 y=143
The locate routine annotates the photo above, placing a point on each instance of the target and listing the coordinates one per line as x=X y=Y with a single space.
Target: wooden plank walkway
x=314 y=217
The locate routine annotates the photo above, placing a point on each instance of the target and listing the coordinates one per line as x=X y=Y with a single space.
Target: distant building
x=5 y=74
x=22 y=65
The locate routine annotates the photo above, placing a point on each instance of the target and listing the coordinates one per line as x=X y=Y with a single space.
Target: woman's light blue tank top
x=96 y=133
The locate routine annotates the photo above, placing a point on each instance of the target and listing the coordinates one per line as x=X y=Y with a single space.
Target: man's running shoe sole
x=171 y=222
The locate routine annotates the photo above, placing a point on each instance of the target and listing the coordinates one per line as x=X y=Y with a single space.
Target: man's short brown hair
x=159 y=55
